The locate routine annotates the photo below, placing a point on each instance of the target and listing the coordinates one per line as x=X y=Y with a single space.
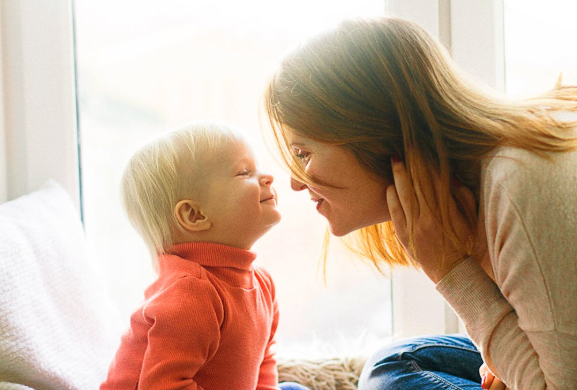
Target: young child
x=199 y=201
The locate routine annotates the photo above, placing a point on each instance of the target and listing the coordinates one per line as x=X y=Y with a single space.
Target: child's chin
x=277 y=220
x=276 y=216
x=273 y=221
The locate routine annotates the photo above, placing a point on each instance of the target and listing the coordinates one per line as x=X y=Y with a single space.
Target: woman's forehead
x=301 y=141
x=294 y=138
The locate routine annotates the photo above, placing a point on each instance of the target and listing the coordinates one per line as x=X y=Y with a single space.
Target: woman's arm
x=531 y=226
x=525 y=323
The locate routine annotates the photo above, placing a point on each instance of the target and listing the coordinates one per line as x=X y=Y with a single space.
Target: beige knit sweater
x=525 y=324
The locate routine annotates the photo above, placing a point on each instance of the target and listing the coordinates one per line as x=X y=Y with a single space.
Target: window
x=147 y=68
x=122 y=51
x=539 y=45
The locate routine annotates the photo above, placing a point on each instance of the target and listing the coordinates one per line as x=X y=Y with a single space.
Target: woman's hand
x=433 y=250
x=490 y=381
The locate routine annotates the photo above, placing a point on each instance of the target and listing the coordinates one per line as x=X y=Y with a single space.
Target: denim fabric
x=432 y=362
x=291 y=386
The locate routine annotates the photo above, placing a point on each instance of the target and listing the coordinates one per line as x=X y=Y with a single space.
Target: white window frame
x=38 y=123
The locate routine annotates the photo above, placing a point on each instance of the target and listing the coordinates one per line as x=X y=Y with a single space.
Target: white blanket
x=57 y=328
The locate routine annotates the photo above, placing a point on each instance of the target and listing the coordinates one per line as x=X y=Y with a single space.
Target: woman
x=426 y=168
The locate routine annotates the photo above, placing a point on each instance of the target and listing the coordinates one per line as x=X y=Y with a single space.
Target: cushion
x=58 y=329
x=338 y=373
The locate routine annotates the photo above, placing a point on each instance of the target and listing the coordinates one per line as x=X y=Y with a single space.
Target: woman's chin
x=339 y=231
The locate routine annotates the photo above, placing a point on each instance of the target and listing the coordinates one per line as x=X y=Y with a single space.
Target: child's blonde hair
x=165 y=171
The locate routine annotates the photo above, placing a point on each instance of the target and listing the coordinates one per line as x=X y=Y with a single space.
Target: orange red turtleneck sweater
x=208 y=322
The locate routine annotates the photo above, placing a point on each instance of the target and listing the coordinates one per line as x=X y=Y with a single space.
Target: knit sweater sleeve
x=525 y=324
x=268 y=373
x=184 y=333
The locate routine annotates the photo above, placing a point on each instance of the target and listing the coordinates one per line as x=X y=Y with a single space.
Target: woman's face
x=355 y=197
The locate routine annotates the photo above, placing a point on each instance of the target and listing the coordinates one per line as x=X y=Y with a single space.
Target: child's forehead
x=232 y=151
x=236 y=147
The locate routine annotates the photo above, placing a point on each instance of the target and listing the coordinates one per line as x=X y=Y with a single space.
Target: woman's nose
x=297 y=185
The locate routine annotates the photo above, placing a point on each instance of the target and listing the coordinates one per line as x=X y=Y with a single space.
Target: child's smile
x=242 y=202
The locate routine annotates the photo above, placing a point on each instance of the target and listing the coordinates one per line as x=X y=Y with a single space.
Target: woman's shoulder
x=516 y=167
x=533 y=186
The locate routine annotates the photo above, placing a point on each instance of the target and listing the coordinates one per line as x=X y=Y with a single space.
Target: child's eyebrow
x=244 y=161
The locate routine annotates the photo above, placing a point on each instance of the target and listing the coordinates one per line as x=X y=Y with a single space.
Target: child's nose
x=266 y=179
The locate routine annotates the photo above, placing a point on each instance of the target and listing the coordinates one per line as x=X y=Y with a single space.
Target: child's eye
x=244 y=172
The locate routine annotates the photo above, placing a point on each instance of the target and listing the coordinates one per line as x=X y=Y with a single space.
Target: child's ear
x=190 y=217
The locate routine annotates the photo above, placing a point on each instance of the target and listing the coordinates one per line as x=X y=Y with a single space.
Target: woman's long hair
x=383 y=87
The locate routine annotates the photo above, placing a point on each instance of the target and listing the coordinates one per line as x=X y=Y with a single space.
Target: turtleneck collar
x=230 y=265
x=210 y=254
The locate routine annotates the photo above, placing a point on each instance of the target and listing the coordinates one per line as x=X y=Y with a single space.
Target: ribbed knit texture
x=525 y=323
x=208 y=322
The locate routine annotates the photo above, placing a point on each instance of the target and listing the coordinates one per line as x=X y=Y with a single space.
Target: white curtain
x=38 y=104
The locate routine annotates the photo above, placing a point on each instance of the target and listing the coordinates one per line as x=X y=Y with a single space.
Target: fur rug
x=322 y=374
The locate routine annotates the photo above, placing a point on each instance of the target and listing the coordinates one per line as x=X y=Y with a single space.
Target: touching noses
x=297 y=185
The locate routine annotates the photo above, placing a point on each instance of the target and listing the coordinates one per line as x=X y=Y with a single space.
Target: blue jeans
x=449 y=362
x=291 y=386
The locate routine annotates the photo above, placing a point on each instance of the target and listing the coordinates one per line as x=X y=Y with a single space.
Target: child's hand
x=490 y=381
x=436 y=254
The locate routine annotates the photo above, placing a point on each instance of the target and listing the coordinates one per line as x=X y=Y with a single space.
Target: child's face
x=240 y=203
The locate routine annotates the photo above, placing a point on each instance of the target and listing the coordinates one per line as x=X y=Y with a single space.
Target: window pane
x=149 y=66
x=539 y=45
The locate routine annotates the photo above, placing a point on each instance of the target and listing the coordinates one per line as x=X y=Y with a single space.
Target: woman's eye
x=301 y=155
x=244 y=172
